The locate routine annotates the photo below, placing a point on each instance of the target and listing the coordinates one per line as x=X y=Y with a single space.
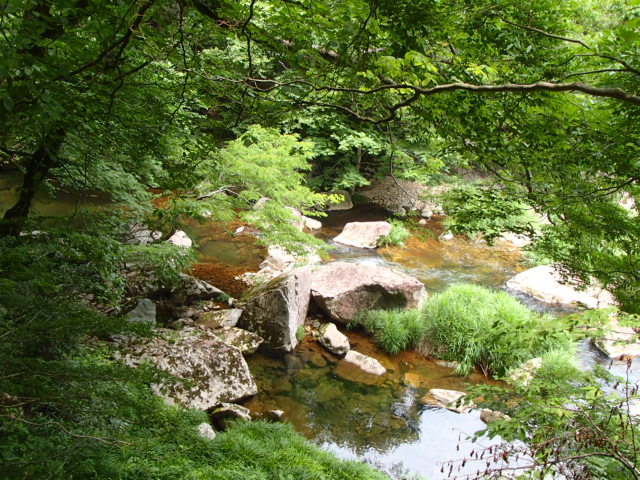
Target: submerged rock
x=208 y=371
x=145 y=312
x=343 y=289
x=365 y=363
x=546 y=284
x=277 y=309
x=363 y=234
x=333 y=340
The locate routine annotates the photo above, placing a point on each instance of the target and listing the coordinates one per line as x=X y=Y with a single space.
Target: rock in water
x=343 y=289
x=545 y=284
x=448 y=399
x=333 y=340
x=211 y=371
x=277 y=309
x=363 y=234
x=360 y=368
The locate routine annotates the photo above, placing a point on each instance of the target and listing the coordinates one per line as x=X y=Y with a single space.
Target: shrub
x=396 y=238
x=478 y=327
x=394 y=330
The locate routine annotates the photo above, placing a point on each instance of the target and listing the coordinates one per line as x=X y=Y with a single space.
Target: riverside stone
x=363 y=234
x=180 y=239
x=365 y=363
x=620 y=342
x=209 y=371
x=145 y=312
x=546 y=284
x=446 y=399
x=220 y=318
x=344 y=289
x=333 y=340
x=226 y=413
x=245 y=341
x=277 y=309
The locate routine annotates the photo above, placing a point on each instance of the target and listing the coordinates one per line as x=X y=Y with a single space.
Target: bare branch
x=546 y=34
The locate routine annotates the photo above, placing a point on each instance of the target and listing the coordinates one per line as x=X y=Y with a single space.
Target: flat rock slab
x=545 y=284
x=357 y=367
x=220 y=318
x=211 y=371
x=343 y=290
x=363 y=234
x=620 y=342
x=245 y=341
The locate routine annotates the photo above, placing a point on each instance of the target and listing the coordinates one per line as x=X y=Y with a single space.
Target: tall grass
x=398 y=235
x=478 y=327
x=394 y=330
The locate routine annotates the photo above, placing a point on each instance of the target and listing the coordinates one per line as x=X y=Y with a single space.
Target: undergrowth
x=398 y=235
x=394 y=330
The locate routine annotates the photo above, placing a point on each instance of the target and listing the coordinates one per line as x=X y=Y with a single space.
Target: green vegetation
x=215 y=104
x=473 y=326
x=485 y=211
x=394 y=330
x=490 y=330
x=397 y=237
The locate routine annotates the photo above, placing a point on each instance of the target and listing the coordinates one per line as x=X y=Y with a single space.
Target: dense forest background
x=215 y=104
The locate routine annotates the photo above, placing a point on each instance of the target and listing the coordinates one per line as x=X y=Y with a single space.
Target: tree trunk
x=40 y=163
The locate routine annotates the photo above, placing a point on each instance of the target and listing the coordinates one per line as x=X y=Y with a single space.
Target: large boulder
x=546 y=284
x=363 y=234
x=245 y=341
x=343 y=290
x=278 y=262
x=220 y=318
x=276 y=309
x=209 y=372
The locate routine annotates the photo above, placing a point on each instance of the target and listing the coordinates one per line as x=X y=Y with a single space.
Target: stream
x=384 y=423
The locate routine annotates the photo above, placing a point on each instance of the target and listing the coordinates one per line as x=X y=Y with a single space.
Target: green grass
x=398 y=235
x=490 y=330
x=394 y=330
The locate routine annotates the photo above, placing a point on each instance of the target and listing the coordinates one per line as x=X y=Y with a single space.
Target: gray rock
x=208 y=371
x=619 y=342
x=220 y=318
x=245 y=341
x=333 y=340
x=345 y=204
x=277 y=309
x=365 y=363
x=190 y=289
x=206 y=431
x=225 y=414
x=141 y=235
x=145 y=312
x=363 y=234
x=311 y=223
x=344 y=289
x=180 y=239
x=546 y=284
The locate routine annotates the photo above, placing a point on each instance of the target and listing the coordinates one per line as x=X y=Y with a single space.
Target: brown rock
x=363 y=234
x=343 y=289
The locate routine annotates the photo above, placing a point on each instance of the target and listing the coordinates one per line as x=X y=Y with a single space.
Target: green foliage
x=163 y=261
x=300 y=333
x=567 y=422
x=394 y=330
x=485 y=211
x=398 y=235
x=490 y=330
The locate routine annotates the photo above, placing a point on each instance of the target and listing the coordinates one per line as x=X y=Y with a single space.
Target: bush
x=394 y=330
x=478 y=327
x=399 y=233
